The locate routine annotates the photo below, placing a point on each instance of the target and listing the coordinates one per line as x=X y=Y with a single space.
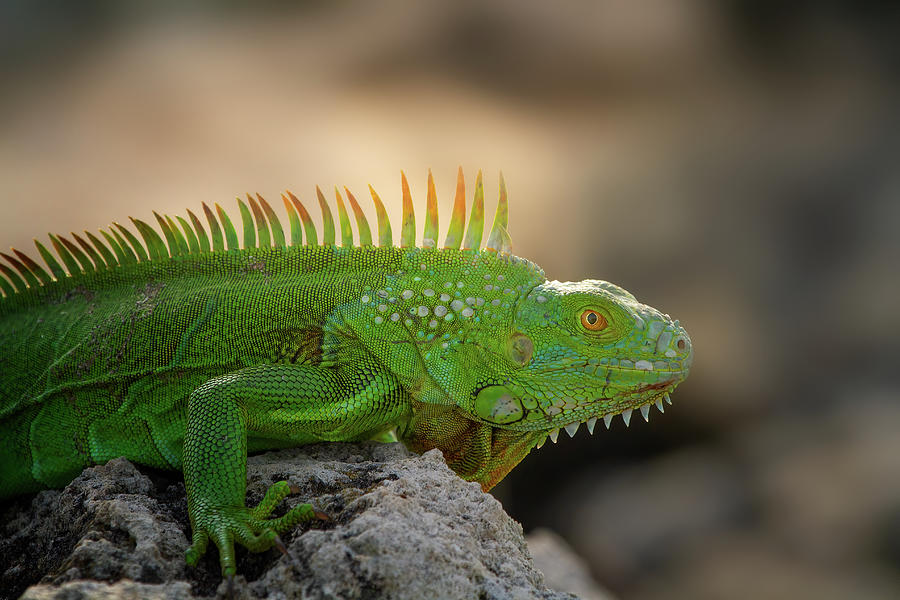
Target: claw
x=280 y=545
x=321 y=516
x=229 y=589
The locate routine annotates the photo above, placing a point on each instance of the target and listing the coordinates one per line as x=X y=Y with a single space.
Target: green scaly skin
x=189 y=362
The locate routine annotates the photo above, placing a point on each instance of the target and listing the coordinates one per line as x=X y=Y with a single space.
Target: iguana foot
x=249 y=527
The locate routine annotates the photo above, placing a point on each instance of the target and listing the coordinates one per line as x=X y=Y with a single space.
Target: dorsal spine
x=261 y=229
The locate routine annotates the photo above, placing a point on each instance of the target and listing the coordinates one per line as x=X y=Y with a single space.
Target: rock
x=401 y=526
x=96 y=590
x=111 y=523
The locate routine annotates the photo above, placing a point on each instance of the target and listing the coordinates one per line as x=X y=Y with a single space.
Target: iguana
x=188 y=354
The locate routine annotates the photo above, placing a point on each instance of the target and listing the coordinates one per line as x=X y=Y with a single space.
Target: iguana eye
x=593 y=321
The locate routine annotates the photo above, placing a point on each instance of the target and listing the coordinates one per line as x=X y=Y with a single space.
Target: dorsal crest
x=261 y=228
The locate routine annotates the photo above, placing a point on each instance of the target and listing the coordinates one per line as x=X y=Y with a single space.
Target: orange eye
x=593 y=321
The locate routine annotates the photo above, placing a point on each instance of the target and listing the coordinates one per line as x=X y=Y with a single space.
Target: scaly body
x=190 y=356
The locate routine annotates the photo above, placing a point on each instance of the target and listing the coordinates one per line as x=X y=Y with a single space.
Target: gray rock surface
x=401 y=526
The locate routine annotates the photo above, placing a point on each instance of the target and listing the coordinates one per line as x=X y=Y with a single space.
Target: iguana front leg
x=294 y=403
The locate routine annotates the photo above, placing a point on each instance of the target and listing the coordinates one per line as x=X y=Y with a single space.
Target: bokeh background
x=735 y=163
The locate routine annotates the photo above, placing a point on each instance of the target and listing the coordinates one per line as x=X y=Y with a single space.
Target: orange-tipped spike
x=262 y=228
x=498 y=240
x=274 y=223
x=202 y=239
x=327 y=219
x=65 y=255
x=183 y=246
x=385 y=235
x=91 y=252
x=458 y=218
x=55 y=268
x=156 y=249
x=123 y=256
x=247 y=226
x=217 y=242
x=429 y=237
x=27 y=275
x=129 y=242
x=86 y=265
x=344 y=219
x=174 y=248
x=294 y=220
x=408 y=226
x=17 y=281
x=362 y=225
x=108 y=255
x=476 y=219
x=231 y=237
x=309 y=227
x=190 y=235
x=5 y=286
x=33 y=266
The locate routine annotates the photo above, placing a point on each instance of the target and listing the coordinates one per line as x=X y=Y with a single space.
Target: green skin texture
x=189 y=363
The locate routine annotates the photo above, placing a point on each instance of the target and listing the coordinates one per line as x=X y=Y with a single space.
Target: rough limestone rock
x=401 y=526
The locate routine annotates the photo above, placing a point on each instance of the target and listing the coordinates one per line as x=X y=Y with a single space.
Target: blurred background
x=735 y=163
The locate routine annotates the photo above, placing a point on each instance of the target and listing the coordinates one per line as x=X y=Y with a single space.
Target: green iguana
x=188 y=354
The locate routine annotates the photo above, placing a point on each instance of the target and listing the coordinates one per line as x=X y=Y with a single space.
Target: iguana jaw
x=569 y=408
x=588 y=412
x=642 y=400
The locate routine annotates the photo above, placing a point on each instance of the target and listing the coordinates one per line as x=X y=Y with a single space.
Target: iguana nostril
x=680 y=344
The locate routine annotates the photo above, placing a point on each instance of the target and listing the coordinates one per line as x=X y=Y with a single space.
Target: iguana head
x=582 y=351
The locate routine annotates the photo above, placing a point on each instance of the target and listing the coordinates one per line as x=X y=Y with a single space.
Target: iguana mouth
x=644 y=398
x=644 y=388
x=677 y=368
